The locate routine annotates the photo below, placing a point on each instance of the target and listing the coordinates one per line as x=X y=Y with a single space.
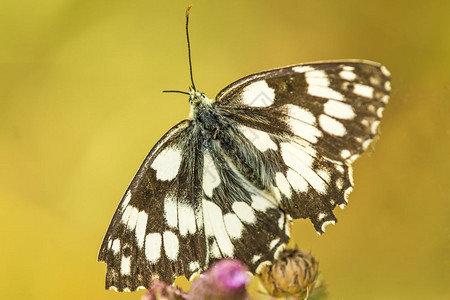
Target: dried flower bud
x=293 y=273
x=226 y=279
x=162 y=291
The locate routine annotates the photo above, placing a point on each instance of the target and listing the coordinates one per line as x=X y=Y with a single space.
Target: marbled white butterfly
x=271 y=147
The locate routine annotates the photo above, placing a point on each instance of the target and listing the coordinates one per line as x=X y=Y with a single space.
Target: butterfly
x=271 y=147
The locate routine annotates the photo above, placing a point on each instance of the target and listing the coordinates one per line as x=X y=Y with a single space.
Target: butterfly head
x=198 y=101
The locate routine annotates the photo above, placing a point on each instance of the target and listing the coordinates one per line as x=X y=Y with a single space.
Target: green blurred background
x=81 y=105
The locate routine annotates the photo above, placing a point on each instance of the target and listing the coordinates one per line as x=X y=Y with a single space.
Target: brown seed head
x=293 y=273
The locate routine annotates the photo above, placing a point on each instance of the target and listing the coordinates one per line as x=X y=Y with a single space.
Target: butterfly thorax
x=205 y=115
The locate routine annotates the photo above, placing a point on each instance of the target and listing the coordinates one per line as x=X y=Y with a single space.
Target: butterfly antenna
x=176 y=91
x=189 y=45
x=189 y=55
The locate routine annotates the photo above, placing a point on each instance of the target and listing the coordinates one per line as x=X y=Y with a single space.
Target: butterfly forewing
x=273 y=146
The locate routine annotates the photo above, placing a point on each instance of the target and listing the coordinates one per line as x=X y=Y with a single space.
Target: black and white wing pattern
x=186 y=208
x=271 y=147
x=317 y=118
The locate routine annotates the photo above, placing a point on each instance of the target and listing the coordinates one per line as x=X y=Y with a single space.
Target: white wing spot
x=255 y=258
x=215 y=215
x=260 y=139
x=339 y=110
x=385 y=99
x=194 y=266
x=366 y=144
x=125 y=267
x=233 y=225
x=215 y=252
x=324 y=175
x=186 y=219
x=317 y=77
x=325 y=224
x=126 y=214
x=365 y=122
x=321 y=216
x=273 y=243
x=153 y=247
x=283 y=184
x=167 y=163
x=385 y=71
x=260 y=203
x=295 y=157
x=302 y=69
x=324 y=92
x=387 y=86
x=332 y=126
x=170 y=211
x=363 y=90
x=345 y=154
x=170 y=245
x=211 y=178
x=281 y=222
x=374 y=126
x=305 y=131
x=244 y=212
x=116 y=246
x=300 y=114
x=126 y=200
x=339 y=168
x=258 y=94
x=347 y=193
x=141 y=228
x=297 y=182
x=339 y=183
x=380 y=112
x=374 y=81
x=348 y=68
x=301 y=162
x=347 y=75
x=132 y=221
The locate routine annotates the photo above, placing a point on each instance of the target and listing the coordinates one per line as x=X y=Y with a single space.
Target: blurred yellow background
x=81 y=105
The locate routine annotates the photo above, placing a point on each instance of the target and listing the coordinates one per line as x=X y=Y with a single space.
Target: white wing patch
x=244 y=212
x=186 y=219
x=141 y=227
x=324 y=92
x=332 y=126
x=170 y=211
x=283 y=184
x=260 y=139
x=217 y=227
x=171 y=245
x=301 y=162
x=153 y=244
x=167 y=164
x=125 y=265
x=211 y=178
x=300 y=114
x=339 y=110
x=363 y=90
x=317 y=77
x=258 y=94
x=297 y=182
x=233 y=225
